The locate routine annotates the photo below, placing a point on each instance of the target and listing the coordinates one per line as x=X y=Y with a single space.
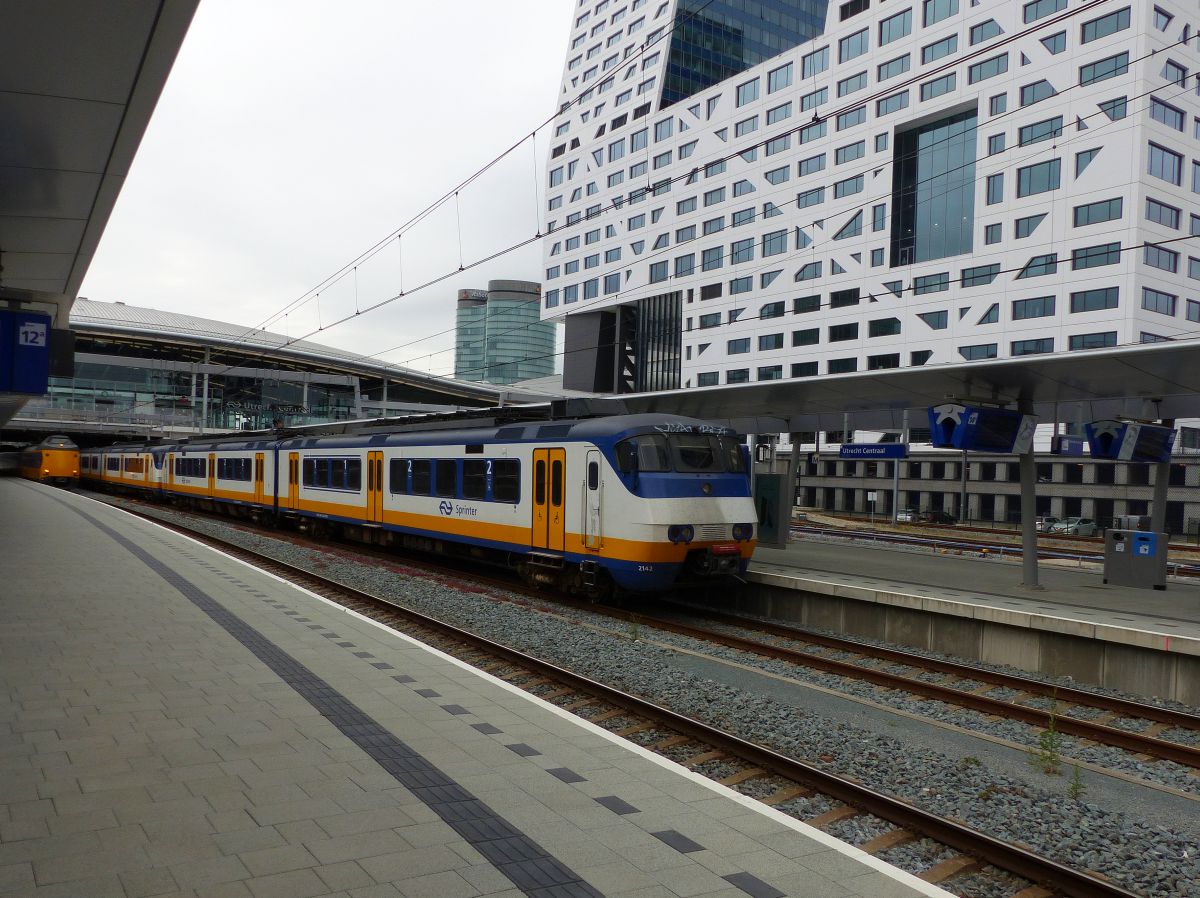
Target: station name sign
x=873 y=450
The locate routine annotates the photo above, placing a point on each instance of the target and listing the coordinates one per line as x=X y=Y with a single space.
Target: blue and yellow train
x=636 y=501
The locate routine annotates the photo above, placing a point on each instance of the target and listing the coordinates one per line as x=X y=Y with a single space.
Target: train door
x=591 y=501
x=171 y=470
x=549 y=474
x=293 y=499
x=212 y=474
x=260 y=467
x=375 y=487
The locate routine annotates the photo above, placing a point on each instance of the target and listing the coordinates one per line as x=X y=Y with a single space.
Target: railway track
x=698 y=743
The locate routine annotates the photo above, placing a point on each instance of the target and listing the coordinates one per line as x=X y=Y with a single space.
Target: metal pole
x=962 y=492
x=1162 y=477
x=896 y=470
x=1029 y=559
x=793 y=474
x=204 y=399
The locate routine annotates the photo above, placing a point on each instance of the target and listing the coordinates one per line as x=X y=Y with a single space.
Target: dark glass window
x=422 y=476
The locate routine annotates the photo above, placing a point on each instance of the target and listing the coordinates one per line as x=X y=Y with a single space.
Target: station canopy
x=1147 y=382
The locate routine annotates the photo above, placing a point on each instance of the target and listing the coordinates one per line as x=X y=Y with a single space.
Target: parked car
x=1074 y=526
x=906 y=516
x=1045 y=523
x=937 y=517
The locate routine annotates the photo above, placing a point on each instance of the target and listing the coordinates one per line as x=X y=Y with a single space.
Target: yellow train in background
x=53 y=460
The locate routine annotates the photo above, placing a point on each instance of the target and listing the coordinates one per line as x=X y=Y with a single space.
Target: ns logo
x=446 y=508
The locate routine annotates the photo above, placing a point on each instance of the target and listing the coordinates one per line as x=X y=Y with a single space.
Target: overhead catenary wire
x=492 y=256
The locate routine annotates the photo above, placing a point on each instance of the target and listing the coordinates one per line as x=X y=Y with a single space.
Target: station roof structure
x=78 y=83
x=1149 y=382
x=123 y=322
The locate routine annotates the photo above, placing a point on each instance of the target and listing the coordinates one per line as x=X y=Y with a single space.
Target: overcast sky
x=293 y=135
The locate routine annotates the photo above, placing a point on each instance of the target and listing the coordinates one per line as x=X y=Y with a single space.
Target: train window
x=647 y=452
x=506 y=480
x=398 y=476
x=333 y=473
x=539 y=480
x=474 y=481
x=593 y=475
x=191 y=467
x=447 y=478
x=422 y=476
x=233 y=469
x=696 y=452
x=732 y=450
x=112 y=463
x=556 y=483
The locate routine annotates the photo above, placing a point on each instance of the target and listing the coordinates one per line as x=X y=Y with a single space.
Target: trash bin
x=1135 y=558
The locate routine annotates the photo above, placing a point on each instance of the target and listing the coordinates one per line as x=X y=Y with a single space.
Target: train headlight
x=681 y=533
x=743 y=531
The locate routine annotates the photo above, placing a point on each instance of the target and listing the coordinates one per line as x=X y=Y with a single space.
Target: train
x=588 y=505
x=54 y=460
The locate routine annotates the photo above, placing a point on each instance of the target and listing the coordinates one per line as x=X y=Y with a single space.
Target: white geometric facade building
x=744 y=191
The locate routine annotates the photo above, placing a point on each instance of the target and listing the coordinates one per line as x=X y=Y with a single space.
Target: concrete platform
x=174 y=722
x=1143 y=641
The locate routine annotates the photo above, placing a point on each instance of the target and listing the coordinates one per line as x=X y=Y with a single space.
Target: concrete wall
x=1135 y=669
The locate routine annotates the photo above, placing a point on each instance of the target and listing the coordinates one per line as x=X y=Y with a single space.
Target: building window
x=842 y=366
x=737 y=347
x=883 y=327
x=1166 y=113
x=992 y=234
x=770 y=372
x=1032 y=347
x=1158 y=301
x=741 y=285
x=768 y=342
x=802 y=304
x=1094 y=213
x=1104 y=26
x=747 y=93
x=1040 y=177
x=1036 y=307
x=737 y=376
x=839 y=333
x=854 y=45
x=984 y=31
x=1162 y=259
x=978 y=351
x=849 y=119
x=995 y=189
x=804 y=369
x=1039 y=9
x=1039 y=266
x=810 y=336
x=1095 y=256
x=1036 y=92
x=938 y=49
x=708 y=379
x=1044 y=130
x=840 y=299
x=938 y=87
x=1103 y=69
x=937 y=10
x=1092 y=341
x=988 y=68
x=895 y=27
x=892 y=68
x=937 y=321
x=890 y=104
x=980 y=275
x=774 y=243
x=931 y=283
x=852 y=84
x=848 y=187
x=1165 y=165
x=1023 y=227
x=1094 y=300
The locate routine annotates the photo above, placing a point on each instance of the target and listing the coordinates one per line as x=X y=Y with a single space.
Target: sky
x=293 y=136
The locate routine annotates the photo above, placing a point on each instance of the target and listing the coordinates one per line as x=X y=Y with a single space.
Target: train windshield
x=686 y=453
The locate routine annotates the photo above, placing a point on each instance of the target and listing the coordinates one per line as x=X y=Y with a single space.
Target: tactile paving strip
x=525 y=863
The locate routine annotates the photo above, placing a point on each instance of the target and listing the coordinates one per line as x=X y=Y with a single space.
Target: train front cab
x=679 y=508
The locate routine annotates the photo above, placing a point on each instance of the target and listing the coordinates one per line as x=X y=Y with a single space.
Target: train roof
x=445 y=431
x=58 y=441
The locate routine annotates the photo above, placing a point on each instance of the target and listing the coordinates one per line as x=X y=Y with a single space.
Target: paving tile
x=678 y=841
x=343 y=876
x=357 y=846
x=280 y=859
x=295 y=884
x=143 y=883
x=753 y=886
